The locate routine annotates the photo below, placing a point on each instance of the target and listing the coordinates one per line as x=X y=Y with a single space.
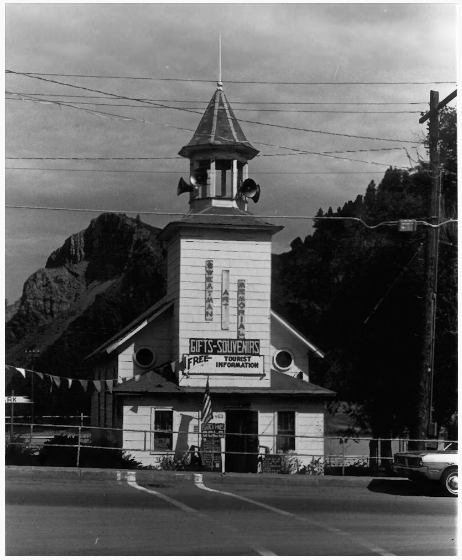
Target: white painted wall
x=247 y=256
x=157 y=335
x=309 y=425
x=282 y=339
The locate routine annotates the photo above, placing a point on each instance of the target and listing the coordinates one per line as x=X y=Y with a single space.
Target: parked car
x=441 y=466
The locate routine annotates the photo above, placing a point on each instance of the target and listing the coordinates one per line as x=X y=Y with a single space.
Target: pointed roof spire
x=219 y=129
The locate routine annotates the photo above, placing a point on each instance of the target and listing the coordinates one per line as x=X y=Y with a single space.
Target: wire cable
x=232 y=81
x=273 y=216
x=196 y=112
x=179 y=171
x=236 y=102
x=239 y=109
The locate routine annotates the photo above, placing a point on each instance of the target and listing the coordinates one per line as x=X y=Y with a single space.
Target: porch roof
x=281 y=384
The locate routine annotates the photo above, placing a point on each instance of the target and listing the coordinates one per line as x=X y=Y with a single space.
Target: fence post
x=31 y=434
x=78 y=447
x=343 y=457
x=144 y=440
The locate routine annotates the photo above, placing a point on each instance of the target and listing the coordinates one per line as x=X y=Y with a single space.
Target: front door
x=241 y=441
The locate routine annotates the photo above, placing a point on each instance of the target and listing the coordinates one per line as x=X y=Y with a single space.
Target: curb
x=152 y=477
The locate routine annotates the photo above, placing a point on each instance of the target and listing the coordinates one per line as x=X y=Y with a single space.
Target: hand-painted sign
x=241 y=309
x=18 y=400
x=210 y=364
x=209 y=290
x=223 y=346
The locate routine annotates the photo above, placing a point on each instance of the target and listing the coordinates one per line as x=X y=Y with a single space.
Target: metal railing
x=335 y=453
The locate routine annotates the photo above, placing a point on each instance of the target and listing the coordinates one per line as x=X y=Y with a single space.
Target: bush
x=17 y=452
x=61 y=451
x=314 y=468
x=169 y=463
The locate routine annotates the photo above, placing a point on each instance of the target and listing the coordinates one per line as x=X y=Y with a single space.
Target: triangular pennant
x=22 y=371
x=97 y=385
x=110 y=383
x=39 y=374
x=70 y=382
x=173 y=366
x=56 y=379
x=84 y=383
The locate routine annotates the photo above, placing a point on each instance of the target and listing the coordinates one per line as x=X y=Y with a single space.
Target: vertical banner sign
x=209 y=290
x=241 y=309
x=225 y=300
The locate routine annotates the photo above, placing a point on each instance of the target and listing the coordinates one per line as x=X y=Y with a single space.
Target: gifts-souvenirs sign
x=223 y=356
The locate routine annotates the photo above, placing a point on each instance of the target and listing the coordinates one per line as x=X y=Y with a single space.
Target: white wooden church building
x=214 y=324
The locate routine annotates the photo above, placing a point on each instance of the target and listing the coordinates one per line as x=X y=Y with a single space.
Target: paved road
x=179 y=517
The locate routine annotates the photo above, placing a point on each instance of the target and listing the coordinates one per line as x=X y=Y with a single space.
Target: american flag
x=207 y=405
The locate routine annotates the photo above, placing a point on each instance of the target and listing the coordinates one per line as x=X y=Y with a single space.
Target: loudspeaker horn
x=250 y=189
x=199 y=177
x=183 y=187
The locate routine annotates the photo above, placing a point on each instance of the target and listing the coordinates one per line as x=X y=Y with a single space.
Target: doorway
x=241 y=441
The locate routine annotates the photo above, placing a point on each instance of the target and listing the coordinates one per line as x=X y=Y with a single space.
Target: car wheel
x=449 y=480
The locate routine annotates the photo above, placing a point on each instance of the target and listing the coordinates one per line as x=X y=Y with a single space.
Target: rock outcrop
x=91 y=287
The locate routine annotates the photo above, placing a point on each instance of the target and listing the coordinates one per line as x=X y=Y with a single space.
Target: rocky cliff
x=91 y=287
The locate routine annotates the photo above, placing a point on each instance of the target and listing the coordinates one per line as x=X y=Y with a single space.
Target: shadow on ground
x=405 y=487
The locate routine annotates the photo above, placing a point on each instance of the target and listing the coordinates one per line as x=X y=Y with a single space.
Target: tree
x=358 y=293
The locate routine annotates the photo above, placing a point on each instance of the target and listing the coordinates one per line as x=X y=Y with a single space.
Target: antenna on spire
x=219 y=83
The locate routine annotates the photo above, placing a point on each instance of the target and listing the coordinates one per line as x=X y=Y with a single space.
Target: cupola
x=219 y=153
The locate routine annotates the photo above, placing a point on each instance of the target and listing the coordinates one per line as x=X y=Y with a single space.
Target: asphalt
x=157 y=477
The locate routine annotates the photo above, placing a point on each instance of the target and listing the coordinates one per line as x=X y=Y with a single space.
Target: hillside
x=96 y=283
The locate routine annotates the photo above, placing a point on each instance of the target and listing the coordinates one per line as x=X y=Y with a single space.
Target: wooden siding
x=157 y=335
x=281 y=339
x=246 y=258
x=309 y=422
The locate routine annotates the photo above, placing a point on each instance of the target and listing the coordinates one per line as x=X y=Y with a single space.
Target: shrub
x=314 y=468
x=17 y=452
x=169 y=463
x=61 y=451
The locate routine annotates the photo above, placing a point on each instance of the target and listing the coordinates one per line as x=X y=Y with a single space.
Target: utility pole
x=32 y=354
x=425 y=426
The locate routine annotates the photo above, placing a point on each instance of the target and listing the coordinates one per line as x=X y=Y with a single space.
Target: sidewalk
x=17 y=473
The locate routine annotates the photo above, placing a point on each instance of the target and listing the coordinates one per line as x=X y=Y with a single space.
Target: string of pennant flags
x=97 y=383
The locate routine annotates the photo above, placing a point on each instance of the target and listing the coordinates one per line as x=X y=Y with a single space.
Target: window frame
x=275 y=363
x=169 y=431
x=144 y=347
x=285 y=436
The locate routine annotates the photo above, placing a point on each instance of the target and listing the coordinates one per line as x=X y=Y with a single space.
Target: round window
x=283 y=360
x=144 y=357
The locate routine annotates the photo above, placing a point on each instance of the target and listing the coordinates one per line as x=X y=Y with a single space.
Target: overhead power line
x=179 y=171
x=152 y=78
x=92 y=158
x=255 y=110
x=234 y=102
x=194 y=112
x=273 y=216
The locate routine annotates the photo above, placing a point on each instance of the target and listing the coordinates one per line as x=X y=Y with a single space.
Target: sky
x=285 y=67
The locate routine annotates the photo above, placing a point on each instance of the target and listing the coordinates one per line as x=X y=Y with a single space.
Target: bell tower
x=219 y=261
x=219 y=153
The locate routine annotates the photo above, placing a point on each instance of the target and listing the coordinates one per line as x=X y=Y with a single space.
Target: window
x=144 y=357
x=163 y=430
x=286 y=432
x=283 y=359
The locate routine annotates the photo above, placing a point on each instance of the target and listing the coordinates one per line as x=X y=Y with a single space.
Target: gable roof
x=281 y=384
x=297 y=334
x=140 y=322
